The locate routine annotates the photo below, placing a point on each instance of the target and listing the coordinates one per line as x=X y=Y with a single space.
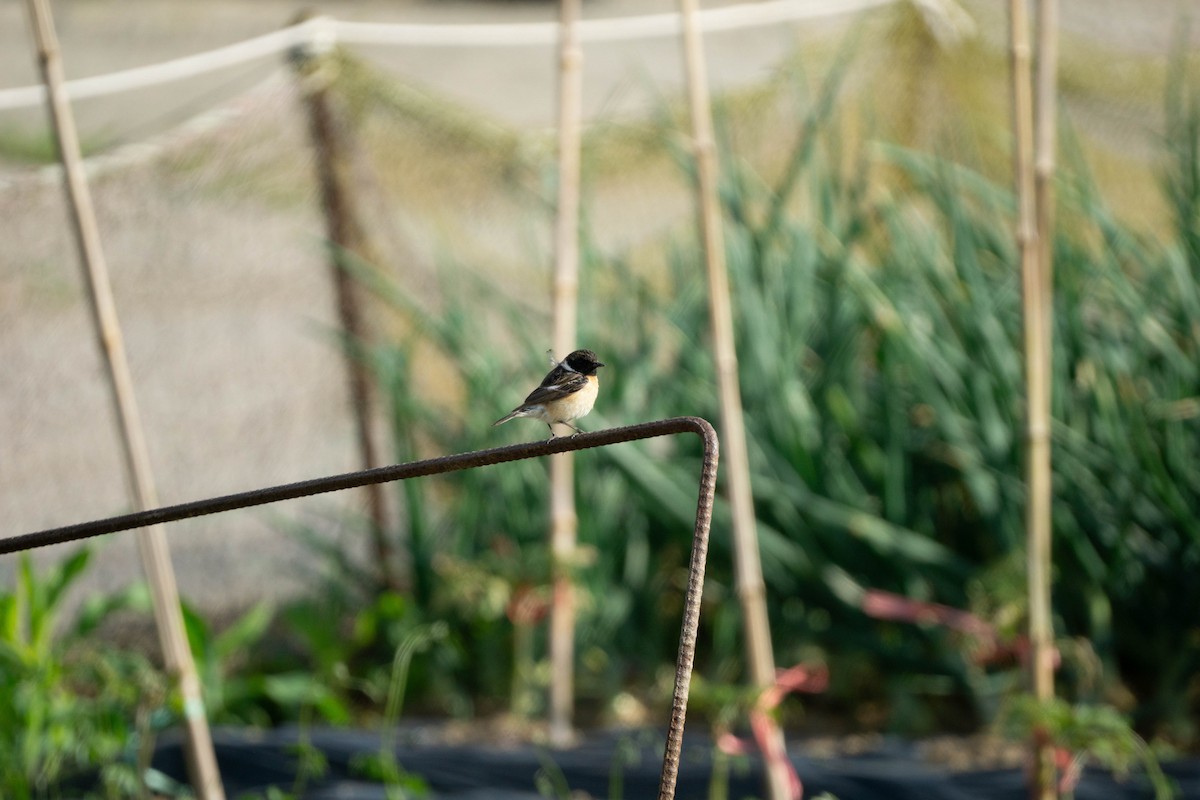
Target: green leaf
x=242 y=635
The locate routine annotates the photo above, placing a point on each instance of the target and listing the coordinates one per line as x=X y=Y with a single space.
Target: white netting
x=212 y=227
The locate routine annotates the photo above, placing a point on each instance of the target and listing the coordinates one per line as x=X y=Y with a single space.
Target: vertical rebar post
x=315 y=70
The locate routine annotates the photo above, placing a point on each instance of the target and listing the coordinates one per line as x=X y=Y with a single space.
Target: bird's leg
x=553 y=435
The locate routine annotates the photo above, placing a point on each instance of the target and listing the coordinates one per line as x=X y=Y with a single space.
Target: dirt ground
x=225 y=301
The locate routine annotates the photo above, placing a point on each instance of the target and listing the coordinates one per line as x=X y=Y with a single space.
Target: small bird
x=567 y=393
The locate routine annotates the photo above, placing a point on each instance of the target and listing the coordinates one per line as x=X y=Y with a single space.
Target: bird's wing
x=558 y=384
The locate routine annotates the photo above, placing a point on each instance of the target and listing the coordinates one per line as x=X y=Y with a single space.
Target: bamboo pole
x=1045 y=140
x=1041 y=631
x=563 y=519
x=751 y=590
x=152 y=543
x=346 y=234
x=1035 y=310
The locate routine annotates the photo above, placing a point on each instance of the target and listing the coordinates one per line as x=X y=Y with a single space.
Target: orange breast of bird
x=577 y=405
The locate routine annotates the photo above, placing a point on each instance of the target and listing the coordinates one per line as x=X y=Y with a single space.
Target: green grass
x=25 y=147
x=68 y=704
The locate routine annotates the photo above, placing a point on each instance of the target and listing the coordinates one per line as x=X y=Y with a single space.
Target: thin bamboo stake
x=563 y=519
x=1041 y=632
x=1035 y=310
x=346 y=233
x=152 y=543
x=1045 y=139
x=748 y=567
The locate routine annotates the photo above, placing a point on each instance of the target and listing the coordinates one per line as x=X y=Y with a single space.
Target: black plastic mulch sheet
x=253 y=761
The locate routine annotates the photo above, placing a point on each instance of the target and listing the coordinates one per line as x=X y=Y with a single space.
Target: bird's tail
x=516 y=412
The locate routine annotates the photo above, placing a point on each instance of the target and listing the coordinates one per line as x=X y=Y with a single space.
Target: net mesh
x=212 y=226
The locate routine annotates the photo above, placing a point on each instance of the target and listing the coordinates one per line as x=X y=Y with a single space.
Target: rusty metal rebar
x=331 y=143
x=455 y=463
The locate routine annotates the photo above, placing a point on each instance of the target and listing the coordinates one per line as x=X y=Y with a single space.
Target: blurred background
x=865 y=183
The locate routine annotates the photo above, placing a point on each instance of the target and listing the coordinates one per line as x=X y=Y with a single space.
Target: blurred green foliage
x=68 y=703
x=877 y=305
